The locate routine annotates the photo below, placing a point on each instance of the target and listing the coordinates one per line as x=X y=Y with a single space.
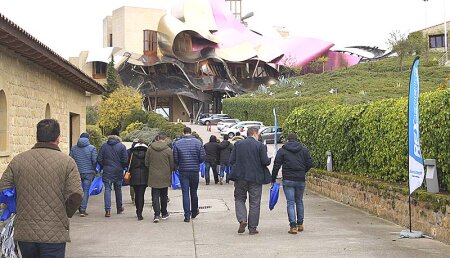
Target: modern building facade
x=188 y=60
x=36 y=83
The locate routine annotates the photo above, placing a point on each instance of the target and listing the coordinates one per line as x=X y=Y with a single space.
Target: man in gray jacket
x=48 y=190
x=85 y=155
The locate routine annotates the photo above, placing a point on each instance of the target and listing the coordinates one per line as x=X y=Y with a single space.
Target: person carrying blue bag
x=296 y=162
x=85 y=155
x=225 y=148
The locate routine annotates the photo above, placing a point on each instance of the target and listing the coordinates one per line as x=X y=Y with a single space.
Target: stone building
x=37 y=83
x=435 y=36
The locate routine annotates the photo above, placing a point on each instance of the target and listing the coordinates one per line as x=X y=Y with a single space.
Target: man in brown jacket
x=159 y=160
x=48 y=188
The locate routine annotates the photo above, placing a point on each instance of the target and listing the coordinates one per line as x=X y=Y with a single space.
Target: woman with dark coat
x=212 y=152
x=225 y=148
x=139 y=175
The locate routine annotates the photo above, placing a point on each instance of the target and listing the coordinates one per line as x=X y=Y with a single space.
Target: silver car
x=226 y=123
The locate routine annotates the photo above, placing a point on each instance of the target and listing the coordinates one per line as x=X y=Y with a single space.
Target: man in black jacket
x=211 y=151
x=249 y=160
x=225 y=148
x=296 y=162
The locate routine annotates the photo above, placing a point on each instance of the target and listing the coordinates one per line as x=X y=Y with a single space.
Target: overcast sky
x=69 y=27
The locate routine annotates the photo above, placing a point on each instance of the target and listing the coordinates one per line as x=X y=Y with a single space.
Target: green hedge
x=261 y=108
x=372 y=139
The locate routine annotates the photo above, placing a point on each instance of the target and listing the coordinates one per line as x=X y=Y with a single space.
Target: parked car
x=240 y=127
x=226 y=123
x=213 y=119
x=268 y=134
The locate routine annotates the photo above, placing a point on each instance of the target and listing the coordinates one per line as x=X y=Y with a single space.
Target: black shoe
x=187 y=219
x=195 y=214
x=156 y=219
x=252 y=231
x=140 y=218
x=165 y=216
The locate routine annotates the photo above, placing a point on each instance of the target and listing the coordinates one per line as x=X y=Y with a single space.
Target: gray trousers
x=254 y=190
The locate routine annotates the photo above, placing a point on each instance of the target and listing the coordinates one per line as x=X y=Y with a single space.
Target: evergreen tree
x=112 y=78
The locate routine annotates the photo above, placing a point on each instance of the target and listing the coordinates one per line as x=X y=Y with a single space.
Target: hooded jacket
x=159 y=160
x=85 y=155
x=296 y=162
x=212 y=150
x=113 y=158
x=225 y=148
x=138 y=170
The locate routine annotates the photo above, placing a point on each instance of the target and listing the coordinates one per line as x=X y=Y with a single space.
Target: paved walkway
x=331 y=230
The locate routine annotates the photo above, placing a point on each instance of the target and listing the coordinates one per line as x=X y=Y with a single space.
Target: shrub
x=137 y=115
x=95 y=135
x=145 y=133
x=91 y=115
x=133 y=127
x=372 y=140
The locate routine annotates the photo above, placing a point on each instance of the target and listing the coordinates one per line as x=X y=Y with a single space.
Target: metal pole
x=445 y=34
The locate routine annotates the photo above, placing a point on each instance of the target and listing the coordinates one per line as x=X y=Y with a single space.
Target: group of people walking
x=150 y=166
x=44 y=175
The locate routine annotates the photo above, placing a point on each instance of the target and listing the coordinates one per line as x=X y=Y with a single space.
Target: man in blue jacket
x=85 y=155
x=296 y=161
x=113 y=158
x=249 y=160
x=188 y=153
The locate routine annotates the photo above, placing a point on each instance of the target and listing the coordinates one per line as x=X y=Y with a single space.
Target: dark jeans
x=159 y=201
x=189 y=186
x=214 y=169
x=139 y=192
x=42 y=250
x=254 y=190
x=293 y=190
x=86 y=180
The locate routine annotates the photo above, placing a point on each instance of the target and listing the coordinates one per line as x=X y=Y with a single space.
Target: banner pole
x=410 y=220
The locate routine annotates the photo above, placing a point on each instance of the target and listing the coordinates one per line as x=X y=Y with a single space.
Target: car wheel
x=231 y=135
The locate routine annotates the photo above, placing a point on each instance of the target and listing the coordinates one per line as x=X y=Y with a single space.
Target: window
x=110 y=40
x=183 y=43
x=437 y=41
x=3 y=123
x=150 y=42
x=99 y=70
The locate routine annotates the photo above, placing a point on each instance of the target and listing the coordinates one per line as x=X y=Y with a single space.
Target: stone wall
x=430 y=212
x=29 y=89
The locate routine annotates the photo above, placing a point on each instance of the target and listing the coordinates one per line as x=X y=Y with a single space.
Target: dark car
x=268 y=134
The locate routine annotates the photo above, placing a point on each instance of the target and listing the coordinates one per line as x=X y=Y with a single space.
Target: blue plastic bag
x=202 y=169
x=96 y=186
x=227 y=170
x=98 y=168
x=176 y=184
x=8 y=198
x=274 y=192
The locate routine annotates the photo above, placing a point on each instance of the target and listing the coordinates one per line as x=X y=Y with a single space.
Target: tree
x=290 y=67
x=400 y=45
x=112 y=78
x=121 y=104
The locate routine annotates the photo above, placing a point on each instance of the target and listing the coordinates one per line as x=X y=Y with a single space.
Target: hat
x=141 y=145
x=84 y=135
x=115 y=131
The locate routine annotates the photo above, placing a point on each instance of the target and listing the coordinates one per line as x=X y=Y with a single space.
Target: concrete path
x=331 y=230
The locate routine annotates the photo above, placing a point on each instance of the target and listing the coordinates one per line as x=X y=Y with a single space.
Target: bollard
x=431 y=176
x=329 y=161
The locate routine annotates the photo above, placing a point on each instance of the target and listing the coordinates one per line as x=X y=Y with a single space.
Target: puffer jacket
x=296 y=162
x=225 y=148
x=48 y=189
x=159 y=160
x=188 y=153
x=85 y=155
x=113 y=158
x=138 y=170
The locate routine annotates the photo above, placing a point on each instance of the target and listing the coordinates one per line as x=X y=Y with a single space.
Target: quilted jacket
x=85 y=155
x=48 y=189
x=188 y=153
